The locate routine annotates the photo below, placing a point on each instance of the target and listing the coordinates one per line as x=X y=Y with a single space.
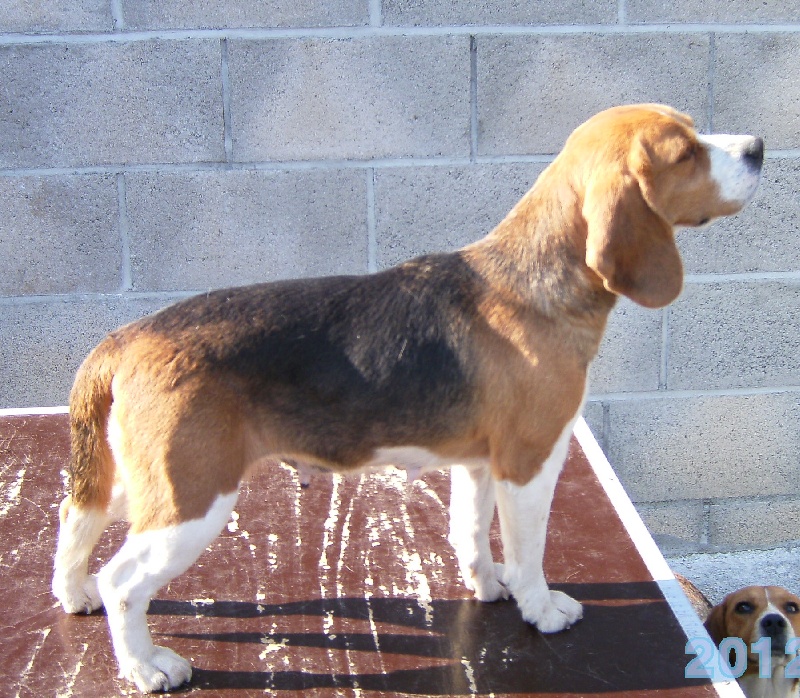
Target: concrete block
x=763 y=237
x=735 y=335
x=313 y=99
x=435 y=209
x=204 y=230
x=534 y=90
x=676 y=527
x=59 y=234
x=218 y=14
x=94 y=104
x=757 y=87
x=51 y=17
x=705 y=447
x=721 y=11
x=459 y=12
x=736 y=524
x=630 y=354
x=42 y=344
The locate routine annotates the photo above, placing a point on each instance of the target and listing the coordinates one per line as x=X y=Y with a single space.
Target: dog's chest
x=775 y=687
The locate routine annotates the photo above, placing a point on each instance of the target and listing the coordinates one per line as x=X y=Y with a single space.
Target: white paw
x=486 y=584
x=551 y=612
x=78 y=598
x=163 y=670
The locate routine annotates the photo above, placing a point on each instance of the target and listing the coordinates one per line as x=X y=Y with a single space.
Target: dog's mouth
x=777 y=646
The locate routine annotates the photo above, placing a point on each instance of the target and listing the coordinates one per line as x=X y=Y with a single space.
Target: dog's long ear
x=628 y=244
x=715 y=623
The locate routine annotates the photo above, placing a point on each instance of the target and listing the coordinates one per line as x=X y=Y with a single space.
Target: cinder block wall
x=150 y=149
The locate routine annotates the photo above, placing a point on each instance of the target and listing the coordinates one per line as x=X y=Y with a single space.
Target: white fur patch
x=524 y=512
x=472 y=503
x=414 y=460
x=146 y=562
x=772 y=608
x=776 y=685
x=731 y=170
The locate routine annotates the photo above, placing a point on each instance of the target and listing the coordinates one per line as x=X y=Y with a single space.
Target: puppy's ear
x=628 y=244
x=715 y=623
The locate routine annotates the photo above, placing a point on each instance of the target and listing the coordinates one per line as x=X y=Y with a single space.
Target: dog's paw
x=78 y=598
x=486 y=584
x=163 y=670
x=489 y=589
x=550 y=612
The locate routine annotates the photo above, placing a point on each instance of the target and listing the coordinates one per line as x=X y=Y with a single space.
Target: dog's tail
x=91 y=461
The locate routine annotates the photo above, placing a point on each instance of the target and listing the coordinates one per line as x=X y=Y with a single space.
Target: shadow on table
x=629 y=640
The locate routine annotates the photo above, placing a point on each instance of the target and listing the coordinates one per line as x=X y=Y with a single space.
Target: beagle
x=475 y=359
x=754 y=613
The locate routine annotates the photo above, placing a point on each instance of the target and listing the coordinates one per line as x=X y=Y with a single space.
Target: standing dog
x=753 y=613
x=477 y=358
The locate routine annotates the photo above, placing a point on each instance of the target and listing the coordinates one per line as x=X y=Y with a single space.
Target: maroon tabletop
x=346 y=588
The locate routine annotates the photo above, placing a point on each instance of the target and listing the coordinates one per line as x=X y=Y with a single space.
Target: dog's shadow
x=628 y=640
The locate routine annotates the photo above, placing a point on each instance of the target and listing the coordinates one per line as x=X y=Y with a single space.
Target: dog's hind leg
x=524 y=511
x=147 y=561
x=472 y=502
x=80 y=529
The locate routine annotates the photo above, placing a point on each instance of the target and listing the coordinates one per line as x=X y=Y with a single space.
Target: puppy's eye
x=744 y=607
x=688 y=153
x=792 y=607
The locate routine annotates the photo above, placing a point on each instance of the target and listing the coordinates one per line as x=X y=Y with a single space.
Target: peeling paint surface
x=345 y=588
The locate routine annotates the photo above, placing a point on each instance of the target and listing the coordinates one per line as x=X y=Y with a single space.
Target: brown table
x=348 y=588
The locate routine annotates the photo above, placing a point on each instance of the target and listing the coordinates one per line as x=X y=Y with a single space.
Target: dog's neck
x=545 y=269
x=777 y=686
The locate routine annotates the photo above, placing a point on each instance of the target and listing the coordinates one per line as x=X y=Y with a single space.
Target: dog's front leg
x=471 y=511
x=524 y=511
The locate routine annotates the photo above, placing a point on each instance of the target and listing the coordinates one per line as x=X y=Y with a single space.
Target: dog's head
x=756 y=612
x=643 y=170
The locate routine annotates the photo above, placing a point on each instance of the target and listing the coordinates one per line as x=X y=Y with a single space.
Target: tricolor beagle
x=476 y=358
x=754 y=613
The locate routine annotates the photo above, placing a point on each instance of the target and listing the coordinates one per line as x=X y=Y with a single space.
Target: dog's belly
x=414 y=460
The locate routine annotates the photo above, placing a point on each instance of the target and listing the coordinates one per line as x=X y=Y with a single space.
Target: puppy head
x=643 y=170
x=755 y=612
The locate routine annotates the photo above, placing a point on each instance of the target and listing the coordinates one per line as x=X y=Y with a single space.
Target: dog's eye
x=744 y=607
x=792 y=607
x=688 y=153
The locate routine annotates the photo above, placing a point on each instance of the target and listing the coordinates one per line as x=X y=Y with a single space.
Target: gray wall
x=151 y=149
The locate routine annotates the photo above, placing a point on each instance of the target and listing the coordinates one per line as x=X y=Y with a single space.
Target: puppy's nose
x=754 y=153
x=773 y=625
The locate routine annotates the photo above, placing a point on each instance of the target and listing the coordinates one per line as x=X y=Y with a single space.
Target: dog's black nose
x=754 y=153
x=773 y=625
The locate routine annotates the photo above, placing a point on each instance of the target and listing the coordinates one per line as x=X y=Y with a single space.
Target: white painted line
x=651 y=555
x=32 y=411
